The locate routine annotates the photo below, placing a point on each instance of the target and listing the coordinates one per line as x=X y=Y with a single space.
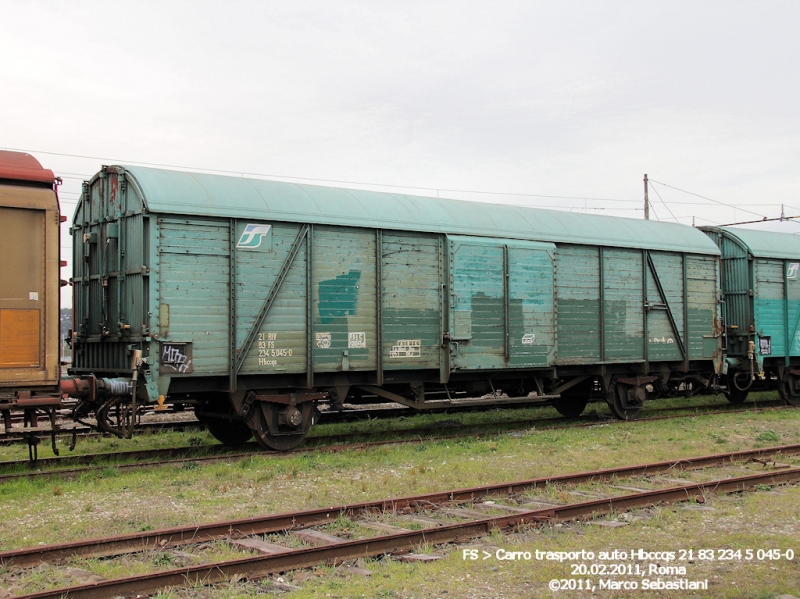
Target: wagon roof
x=178 y=192
x=763 y=244
x=19 y=166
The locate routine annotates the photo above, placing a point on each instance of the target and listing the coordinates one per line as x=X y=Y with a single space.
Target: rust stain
x=114 y=184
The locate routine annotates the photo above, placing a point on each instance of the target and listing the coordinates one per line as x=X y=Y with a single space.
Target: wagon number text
x=267 y=349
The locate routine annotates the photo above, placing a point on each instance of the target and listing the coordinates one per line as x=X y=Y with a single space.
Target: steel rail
x=17 y=434
x=90 y=459
x=226 y=453
x=183 y=535
x=260 y=566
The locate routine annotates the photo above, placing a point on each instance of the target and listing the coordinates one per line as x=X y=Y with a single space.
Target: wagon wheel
x=622 y=406
x=789 y=389
x=573 y=401
x=570 y=407
x=280 y=426
x=222 y=422
x=737 y=391
x=229 y=432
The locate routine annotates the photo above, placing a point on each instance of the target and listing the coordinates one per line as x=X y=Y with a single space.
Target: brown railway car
x=29 y=287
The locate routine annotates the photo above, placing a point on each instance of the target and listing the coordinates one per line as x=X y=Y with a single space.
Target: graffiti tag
x=177 y=357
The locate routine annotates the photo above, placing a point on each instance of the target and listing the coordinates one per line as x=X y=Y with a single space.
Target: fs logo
x=252 y=236
x=791 y=272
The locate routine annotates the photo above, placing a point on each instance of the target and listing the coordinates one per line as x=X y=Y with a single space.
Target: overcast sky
x=561 y=99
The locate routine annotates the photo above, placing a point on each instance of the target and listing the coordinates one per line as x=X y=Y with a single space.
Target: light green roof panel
x=766 y=244
x=176 y=192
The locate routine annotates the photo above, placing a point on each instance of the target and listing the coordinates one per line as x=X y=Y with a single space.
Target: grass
x=489 y=419
x=109 y=502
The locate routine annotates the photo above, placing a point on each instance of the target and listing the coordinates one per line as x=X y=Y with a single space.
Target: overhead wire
x=665 y=204
x=706 y=198
x=653 y=208
x=314 y=179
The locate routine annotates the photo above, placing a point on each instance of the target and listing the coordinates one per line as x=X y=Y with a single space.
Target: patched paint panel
x=770 y=306
x=343 y=304
x=578 y=301
x=532 y=333
x=624 y=305
x=412 y=301
x=701 y=281
x=490 y=330
x=338 y=297
x=19 y=338
x=477 y=305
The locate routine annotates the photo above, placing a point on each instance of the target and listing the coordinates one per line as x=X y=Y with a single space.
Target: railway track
x=18 y=434
x=71 y=466
x=450 y=516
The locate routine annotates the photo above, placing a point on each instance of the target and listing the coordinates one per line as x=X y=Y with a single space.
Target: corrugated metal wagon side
x=761 y=292
x=638 y=318
x=257 y=298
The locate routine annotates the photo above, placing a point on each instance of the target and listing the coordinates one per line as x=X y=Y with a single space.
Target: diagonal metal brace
x=273 y=293
x=666 y=303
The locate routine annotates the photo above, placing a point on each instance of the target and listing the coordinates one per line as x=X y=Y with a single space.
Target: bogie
x=280 y=426
x=221 y=420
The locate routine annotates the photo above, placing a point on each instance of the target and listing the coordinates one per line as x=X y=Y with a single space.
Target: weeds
x=163 y=560
x=769 y=437
x=109 y=472
x=113 y=502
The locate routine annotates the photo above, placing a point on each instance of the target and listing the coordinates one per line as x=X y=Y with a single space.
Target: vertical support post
x=721 y=302
x=309 y=308
x=86 y=267
x=506 y=306
x=379 y=307
x=645 y=353
x=751 y=298
x=100 y=251
x=444 y=317
x=686 y=338
x=153 y=314
x=232 y=370
x=602 y=297
x=788 y=344
x=121 y=202
x=85 y=203
x=646 y=200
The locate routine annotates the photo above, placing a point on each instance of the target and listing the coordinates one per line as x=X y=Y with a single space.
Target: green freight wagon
x=258 y=298
x=761 y=311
